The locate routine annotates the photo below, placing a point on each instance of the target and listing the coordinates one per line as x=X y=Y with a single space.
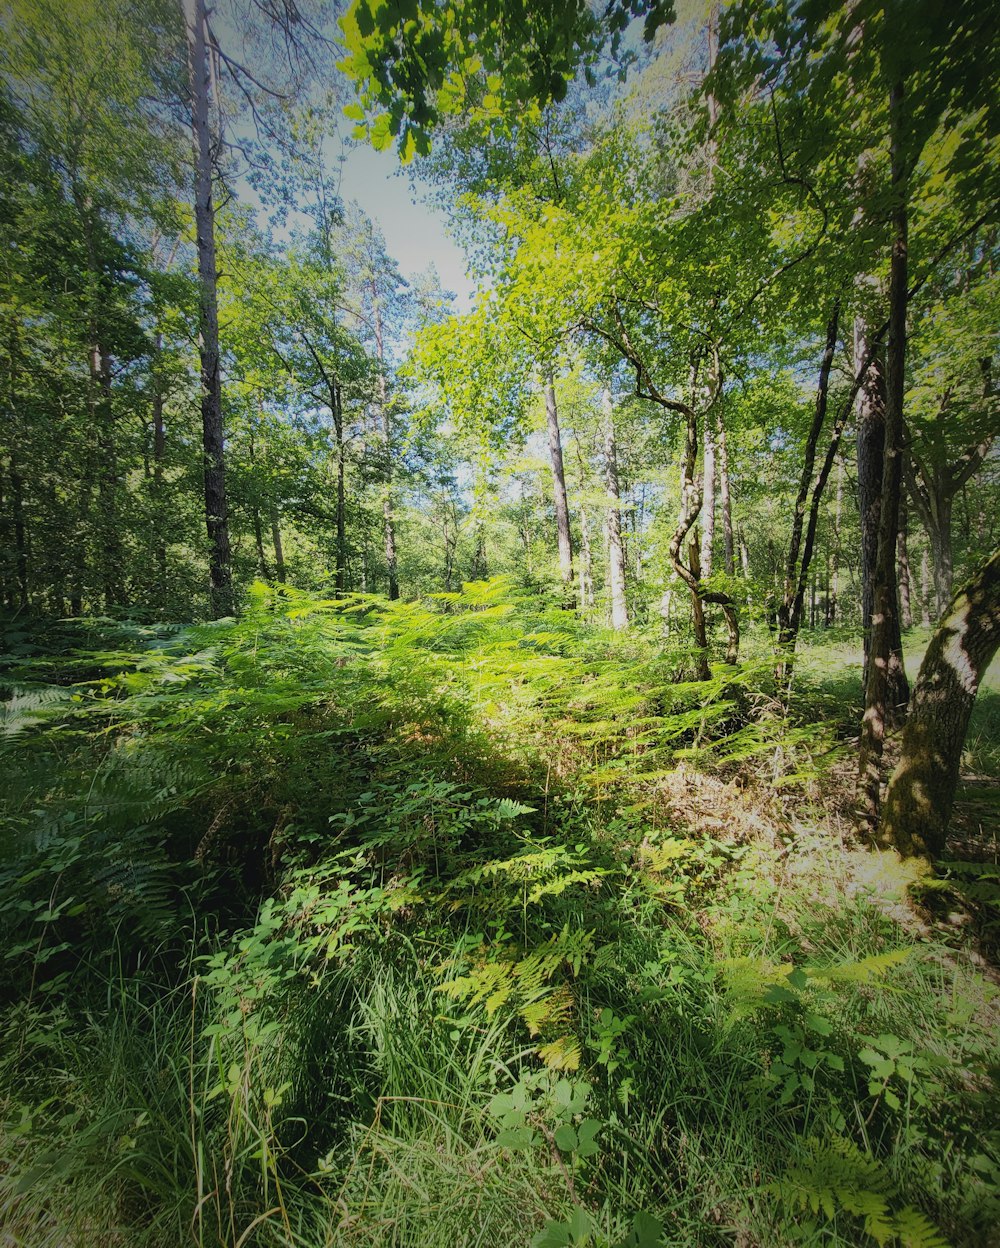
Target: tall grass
x=364 y=926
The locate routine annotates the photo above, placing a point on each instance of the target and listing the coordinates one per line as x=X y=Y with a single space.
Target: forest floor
x=454 y=924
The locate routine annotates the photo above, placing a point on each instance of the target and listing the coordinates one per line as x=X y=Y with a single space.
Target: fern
x=835 y=1175
x=30 y=706
x=532 y=987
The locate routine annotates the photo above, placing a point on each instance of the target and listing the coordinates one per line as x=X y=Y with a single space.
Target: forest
x=512 y=765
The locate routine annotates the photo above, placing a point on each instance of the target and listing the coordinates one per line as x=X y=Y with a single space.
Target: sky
x=415 y=232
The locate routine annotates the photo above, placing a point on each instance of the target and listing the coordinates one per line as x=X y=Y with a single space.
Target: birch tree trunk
x=831 y=606
x=708 y=498
x=216 y=510
x=563 y=534
x=586 y=563
x=725 y=497
x=925 y=590
x=616 y=549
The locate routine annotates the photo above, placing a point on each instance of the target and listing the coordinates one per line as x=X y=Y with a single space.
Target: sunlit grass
x=500 y=982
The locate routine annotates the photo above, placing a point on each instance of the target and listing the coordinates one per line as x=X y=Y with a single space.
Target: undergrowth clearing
x=446 y=923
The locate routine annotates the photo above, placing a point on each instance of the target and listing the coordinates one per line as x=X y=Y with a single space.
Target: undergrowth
x=357 y=923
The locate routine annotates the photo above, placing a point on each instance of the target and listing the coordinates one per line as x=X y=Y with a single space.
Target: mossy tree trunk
x=922 y=788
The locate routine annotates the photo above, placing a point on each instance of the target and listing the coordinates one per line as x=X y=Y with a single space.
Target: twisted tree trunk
x=921 y=791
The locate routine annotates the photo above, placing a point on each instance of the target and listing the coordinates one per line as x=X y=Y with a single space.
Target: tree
x=375 y=292
x=915 y=72
x=922 y=788
x=616 y=551
x=563 y=534
x=88 y=187
x=416 y=62
x=216 y=509
x=951 y=419
x=289 y=313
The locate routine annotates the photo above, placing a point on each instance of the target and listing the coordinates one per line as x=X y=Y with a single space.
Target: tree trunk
x=102 y=418
x=708 y=498
x=258 y=538
x=725 y=498
x=921 y=791
x=885 y=679
x=480 y=569
x=159 y=455
x=450 y=545
x=807 y=501
x=616 y=550
x=745 y=559
x=20 y=531
x=690 y=507
x=279 y=551
x=870 y=414
x=79 y=577
x=586 y=563
x=699 y=627
x=340 y=554
x=216 y=510
x=925 y=590
x=388 y=508
x=872 y=441
x=563 y=534
x=905 y=579
x=942 y=562
x=831 y=606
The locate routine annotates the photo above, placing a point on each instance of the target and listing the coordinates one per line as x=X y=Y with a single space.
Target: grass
x=500 y=991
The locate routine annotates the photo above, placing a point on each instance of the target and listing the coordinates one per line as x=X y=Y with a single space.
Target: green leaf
x=517 y=1138
x=798 y=979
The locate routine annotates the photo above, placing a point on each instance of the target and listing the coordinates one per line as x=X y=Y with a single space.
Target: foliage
x=490 y=983
x=448 y=915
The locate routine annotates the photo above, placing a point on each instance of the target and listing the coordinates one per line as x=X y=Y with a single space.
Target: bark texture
x=883 y=686
x=921 y=791
x=279 y=550
x=616 y=548
x=725 y=495
x=871 y=444
x=216 y=509
x=340 y=465
x=563 y=534
x=905 y=576
x=708 y=496
x=385 y=420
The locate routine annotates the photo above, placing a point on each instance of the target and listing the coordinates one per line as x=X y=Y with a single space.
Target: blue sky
x=415 y=231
